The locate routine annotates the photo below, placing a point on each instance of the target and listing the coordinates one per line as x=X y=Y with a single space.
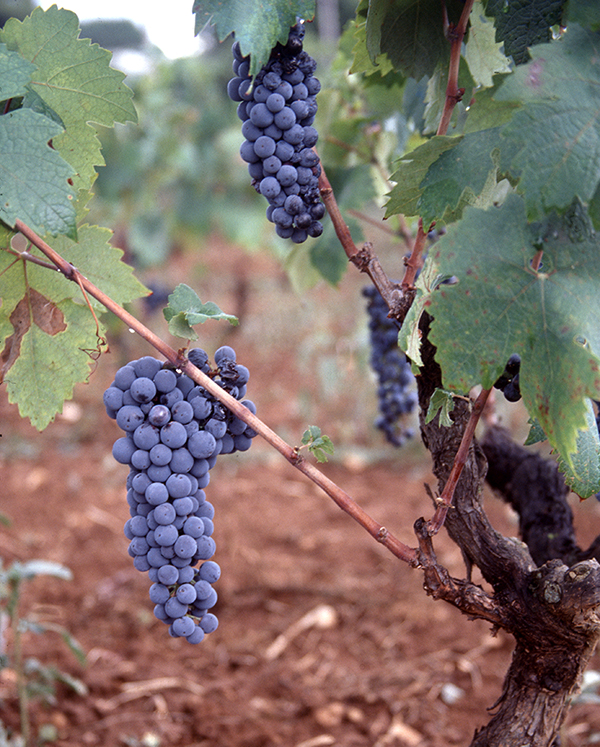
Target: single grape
x=173 y=435
x=264 y=146
x=183 y=627
x=123 y=449
x=209 y=622
x=159 y=415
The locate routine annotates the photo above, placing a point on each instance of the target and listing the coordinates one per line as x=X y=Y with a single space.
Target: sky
x=169 y=26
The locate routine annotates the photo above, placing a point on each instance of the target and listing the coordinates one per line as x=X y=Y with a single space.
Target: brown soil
x=324 y=637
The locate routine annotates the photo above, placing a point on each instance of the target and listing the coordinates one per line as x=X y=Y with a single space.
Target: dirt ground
x=324 y=637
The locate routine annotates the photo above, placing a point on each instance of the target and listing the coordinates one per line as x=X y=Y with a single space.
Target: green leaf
x=48 y=334
x=435 y=98
x=33 y=176
x=556 y=132
x=319 y=445
x=74 y=79
x=522 y=23
x=411 y=33
x=362 y=62
x=100 y=262
x=501 y=306
x=536 y=433
x=584 y=476
x=257 y=24
x=464 y=175
x=15 y=74
x=443 y=402
x=409 y=337
x=486 y=113
x=584 y=12
x=482 y=53
x=410 y=171
x=185 y=309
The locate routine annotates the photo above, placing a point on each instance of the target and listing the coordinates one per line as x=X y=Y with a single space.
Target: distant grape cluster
x=174 y=431
x=277 y=111
x=508 y=383
x=396 y=392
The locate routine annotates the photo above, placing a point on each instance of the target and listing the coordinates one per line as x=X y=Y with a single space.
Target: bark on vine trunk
x=553 y=611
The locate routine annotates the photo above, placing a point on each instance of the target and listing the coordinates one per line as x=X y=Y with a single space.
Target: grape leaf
x=409 y=337
x=257 y=24
x=482 y=53
x=411 y=33
x=435 y=97
x=485 y=112
x=75 y=80
x=361 y=60
x=464 y=175
x=15 y=73
x=536 y=433
x=48 y=335
x=185 y=309
x=48 y=352
x=443 y=402
x=522 y=23
x=100 y=262
x=584 y=478
x=556 y=132
x=584 y=12
x=501 y=306
x=410 y=171
x=33 y=177
x=319 y=445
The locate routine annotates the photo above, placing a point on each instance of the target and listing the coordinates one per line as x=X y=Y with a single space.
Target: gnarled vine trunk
x=551 y=609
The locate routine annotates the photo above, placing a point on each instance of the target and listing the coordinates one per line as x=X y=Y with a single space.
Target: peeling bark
x=552 y=609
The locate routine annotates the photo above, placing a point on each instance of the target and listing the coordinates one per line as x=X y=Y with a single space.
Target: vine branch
x=364 y=258
x=454 y=94
x=444 y=502
x=339 y=496
x=415 y=261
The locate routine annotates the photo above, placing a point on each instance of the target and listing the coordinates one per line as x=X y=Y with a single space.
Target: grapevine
x=175 y=431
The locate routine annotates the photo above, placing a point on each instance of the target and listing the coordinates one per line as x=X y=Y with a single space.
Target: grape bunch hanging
x=278 y=110
x=174 y=431
x=395 y=390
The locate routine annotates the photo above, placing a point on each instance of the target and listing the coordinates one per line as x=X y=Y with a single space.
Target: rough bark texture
x=552 y=610
x=536 y=490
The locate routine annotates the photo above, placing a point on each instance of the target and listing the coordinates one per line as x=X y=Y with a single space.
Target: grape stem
x=340 y=497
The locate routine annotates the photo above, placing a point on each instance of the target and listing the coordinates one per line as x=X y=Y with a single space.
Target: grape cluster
x=277 y=111
x=174 y=431
x=396 y=393
x=508 y=383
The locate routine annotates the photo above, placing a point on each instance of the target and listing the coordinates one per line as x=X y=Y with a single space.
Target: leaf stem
x=177 y=358
x=454 y=94
x=444 y=502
